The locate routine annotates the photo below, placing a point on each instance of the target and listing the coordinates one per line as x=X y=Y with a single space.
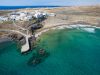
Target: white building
x=39 y=14
x=20 y=16
x=23 y=16
x=2 y=18
x=14 y=16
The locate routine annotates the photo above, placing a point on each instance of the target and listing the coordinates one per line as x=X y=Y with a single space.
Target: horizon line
x=49 y=5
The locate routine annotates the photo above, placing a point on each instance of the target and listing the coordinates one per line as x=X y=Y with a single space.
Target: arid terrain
x=70 y=15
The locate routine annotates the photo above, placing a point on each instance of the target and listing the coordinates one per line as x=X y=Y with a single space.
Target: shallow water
x=72 y=52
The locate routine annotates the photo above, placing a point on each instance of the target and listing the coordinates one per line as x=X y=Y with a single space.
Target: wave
x=87 y=28
x=91 y=30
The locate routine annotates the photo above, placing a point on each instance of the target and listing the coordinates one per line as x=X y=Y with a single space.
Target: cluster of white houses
x=20 y=16
x=23 y=16
x=3 y=18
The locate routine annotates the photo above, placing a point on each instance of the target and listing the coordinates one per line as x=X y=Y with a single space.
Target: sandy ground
x=89 y=15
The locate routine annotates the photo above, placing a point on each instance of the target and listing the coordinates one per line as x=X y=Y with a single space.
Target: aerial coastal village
x=23 y=16
x=49 y=37
x=26 y=25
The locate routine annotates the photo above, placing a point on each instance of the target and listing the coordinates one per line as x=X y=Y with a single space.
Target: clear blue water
x=72 y=52
x=21 y=7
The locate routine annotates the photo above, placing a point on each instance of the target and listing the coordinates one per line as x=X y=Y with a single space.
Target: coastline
x=65 y=44
x=65 y=17
x=56 y=27
x=57 y=55
x=71 y=26
x=4 y=39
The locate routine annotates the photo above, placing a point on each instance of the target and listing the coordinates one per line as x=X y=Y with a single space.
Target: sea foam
x=91 y=30
x=87 y=28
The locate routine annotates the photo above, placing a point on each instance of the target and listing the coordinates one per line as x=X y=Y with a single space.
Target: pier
x=21 y=31
x=24 y=47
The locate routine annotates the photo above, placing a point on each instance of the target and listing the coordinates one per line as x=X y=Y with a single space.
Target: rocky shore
x=5 y=39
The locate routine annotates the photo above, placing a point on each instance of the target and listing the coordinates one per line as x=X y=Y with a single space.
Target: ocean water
x=21 y=7
x=71 y=52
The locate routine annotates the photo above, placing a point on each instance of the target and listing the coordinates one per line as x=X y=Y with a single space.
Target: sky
x=48 y=2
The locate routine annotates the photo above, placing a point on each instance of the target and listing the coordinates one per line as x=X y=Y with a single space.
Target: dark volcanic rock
x=32 y=41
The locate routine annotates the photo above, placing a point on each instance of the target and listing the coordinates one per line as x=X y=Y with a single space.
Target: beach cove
x=67 y=48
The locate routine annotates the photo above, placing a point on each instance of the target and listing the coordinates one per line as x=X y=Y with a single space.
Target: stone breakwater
x=88 y=28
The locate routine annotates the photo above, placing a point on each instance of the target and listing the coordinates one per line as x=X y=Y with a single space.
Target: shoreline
x=56 y=27
x=84 y=27
x=71 y=26
x=4 y=39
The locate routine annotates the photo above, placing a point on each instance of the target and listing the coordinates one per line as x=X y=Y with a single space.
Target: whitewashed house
x=39 y=14
x=2 y=18
x=14 y=16
x=21 y=16
x=44 y=14
x=29 y=17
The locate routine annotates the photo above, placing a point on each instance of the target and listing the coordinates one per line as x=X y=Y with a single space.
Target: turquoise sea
x=71 y=52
